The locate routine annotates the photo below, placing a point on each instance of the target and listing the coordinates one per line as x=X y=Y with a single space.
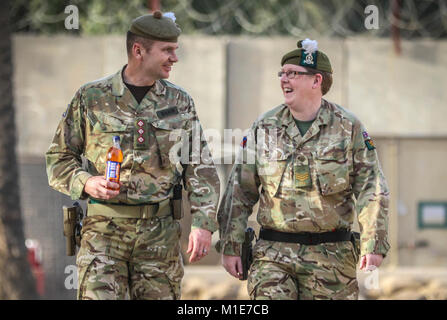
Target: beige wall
x=48 y=71
x=398 y=96
x=416 y=174
x=422 y=177
x=233 y=80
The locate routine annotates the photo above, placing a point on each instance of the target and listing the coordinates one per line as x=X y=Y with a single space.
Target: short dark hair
x=131 y=38
x=326 y=84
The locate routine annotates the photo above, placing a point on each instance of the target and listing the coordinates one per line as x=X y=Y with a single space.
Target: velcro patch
x=161 y=114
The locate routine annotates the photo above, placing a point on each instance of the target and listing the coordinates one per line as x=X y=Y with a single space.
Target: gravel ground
x=404 y=283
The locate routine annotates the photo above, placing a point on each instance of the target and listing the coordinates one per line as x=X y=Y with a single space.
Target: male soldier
x=316 y=166
x=130 y=241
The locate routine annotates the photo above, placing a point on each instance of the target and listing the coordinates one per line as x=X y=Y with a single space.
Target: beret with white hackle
x=307 y=55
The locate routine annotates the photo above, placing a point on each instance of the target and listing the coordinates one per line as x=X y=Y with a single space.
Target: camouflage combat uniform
x=130 y=256
x=308 y=184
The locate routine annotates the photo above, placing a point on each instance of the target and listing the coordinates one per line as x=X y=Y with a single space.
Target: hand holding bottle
x=99 y=188
x=107 y=187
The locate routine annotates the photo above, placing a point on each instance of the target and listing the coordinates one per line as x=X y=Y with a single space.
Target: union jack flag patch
x=244 y=142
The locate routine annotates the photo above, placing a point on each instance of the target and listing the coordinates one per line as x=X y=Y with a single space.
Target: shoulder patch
x=368 y=141
x=369 y=144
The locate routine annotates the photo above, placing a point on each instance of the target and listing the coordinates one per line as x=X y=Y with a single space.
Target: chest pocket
x=171 y=135
x=107 y=123
x=273 y=170
x=332 y=170
x=100 y=139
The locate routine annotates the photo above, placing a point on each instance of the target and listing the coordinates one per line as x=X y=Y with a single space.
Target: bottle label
x=113 y=170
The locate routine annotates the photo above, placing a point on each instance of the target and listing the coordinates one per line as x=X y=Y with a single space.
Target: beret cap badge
x=308 y=55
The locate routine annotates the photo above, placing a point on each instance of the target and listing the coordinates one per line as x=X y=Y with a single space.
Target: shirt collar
x=322 y=118
x=118 y=85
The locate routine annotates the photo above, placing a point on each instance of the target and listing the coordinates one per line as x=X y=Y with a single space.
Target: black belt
x=306 y=238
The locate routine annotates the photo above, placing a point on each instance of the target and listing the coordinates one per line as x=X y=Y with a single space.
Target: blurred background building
x=390 y=69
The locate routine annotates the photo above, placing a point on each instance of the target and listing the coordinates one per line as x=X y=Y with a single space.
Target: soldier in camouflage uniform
x=130 y=241
x=316 y=167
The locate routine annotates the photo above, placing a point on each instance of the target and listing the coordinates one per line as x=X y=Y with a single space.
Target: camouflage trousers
x=123 y=258
x=290 y=271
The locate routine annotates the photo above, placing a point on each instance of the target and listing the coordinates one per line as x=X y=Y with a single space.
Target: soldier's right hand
x=98 y=187
x=233 y=265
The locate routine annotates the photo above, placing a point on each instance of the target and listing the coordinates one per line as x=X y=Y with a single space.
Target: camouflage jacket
x=153 y=135
x=310 y=183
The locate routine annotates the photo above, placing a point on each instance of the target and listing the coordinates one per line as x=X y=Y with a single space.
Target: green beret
x=308 y=56
x=156 y=26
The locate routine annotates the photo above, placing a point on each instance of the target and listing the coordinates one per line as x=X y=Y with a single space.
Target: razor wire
x=331 y=18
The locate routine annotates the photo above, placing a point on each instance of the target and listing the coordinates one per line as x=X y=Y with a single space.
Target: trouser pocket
x=101 y=278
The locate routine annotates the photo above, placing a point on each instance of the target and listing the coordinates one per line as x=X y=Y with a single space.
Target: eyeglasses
x=292 y=74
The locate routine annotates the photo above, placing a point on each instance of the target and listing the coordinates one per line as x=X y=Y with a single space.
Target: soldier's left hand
x=199 y=244
x=370 y=262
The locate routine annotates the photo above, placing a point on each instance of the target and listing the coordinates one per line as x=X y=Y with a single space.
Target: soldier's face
x=297 y=88
x=158 y=61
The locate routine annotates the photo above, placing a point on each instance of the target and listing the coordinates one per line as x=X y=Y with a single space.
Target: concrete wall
x=398 y=96
x=422 y=177
x=415 y=171
x=48 y=71
x=233 y=80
